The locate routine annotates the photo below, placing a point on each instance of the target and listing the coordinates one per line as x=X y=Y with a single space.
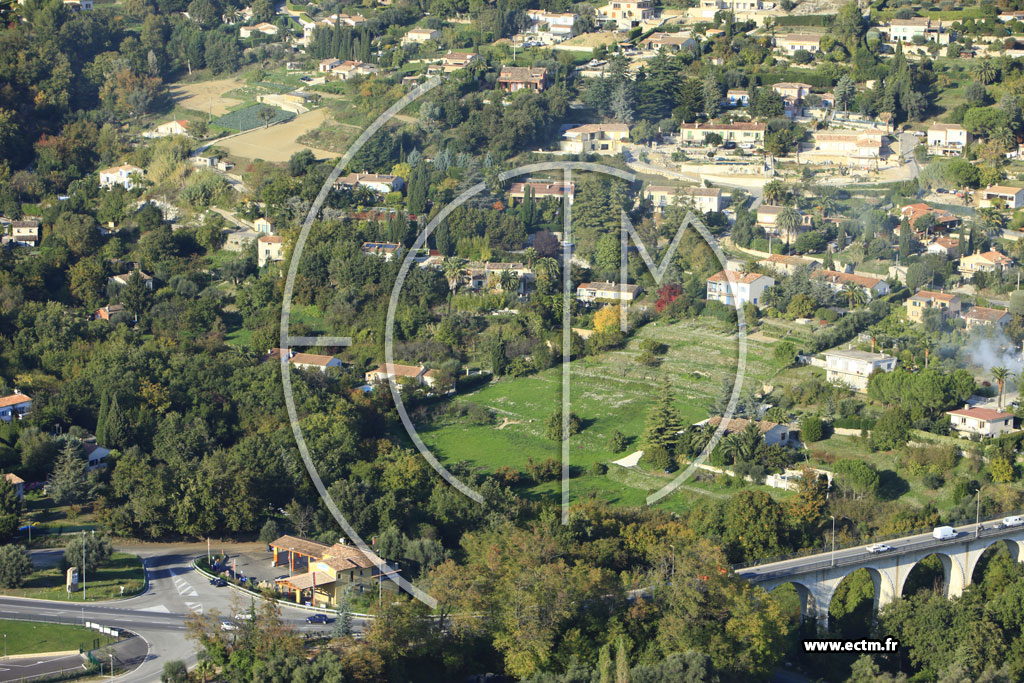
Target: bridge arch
x=954 y=575
x=808 y=603
x=856 y=599
x=980 y=549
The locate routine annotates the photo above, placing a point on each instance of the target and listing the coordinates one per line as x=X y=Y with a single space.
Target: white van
x=943 y=533
x=1012 y=521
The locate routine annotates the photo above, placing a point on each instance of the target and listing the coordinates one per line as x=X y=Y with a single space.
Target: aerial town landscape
x=395 y=340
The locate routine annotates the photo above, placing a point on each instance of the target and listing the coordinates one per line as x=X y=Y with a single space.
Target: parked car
x=879 y=548
x=218 y=582
x=317 y=619
x=243 y=616
x=228 y=626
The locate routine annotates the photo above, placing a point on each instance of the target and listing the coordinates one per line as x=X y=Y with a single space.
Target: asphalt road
x=850 y=556
x=175 y=593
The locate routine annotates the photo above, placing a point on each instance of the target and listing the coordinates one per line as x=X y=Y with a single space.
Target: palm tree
x=774 y=192
x=529 y=255
x=984 y=71
x=547 y=266
x=788 y=223
x=1000 y=375
x=855 y=294
x=508 y=280
x=454 y=269
x=742 y=446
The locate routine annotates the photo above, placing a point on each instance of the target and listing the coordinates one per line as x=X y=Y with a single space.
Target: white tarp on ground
x=630 y=460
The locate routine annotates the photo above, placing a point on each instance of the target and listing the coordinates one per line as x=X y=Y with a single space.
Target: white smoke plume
x=994 y=350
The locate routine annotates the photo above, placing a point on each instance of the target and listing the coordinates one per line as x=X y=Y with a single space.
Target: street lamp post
x=83 y=568
x=111 y=664
x=833 y=539
x=977 y=516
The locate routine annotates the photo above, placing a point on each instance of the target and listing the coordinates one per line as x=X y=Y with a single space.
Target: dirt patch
x=206 y=95
x=506 y=422
x=279 y=142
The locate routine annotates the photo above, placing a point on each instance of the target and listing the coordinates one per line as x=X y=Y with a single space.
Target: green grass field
x=104 y=583
x=608 y=392
x=30 y=637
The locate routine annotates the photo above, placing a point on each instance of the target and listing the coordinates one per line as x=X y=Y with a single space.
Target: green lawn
x=30 y=637
x=608 y=392
x=104 y=583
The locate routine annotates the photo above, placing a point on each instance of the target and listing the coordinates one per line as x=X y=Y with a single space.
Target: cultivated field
x=198 y=96
x=279 y=142
x=608 y=392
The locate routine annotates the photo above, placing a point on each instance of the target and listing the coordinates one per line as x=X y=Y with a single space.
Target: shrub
x=619 y=442
x=553 y=428
x=811 y=429
x=547 y=470
x=598 y=468
x=508 y=476
x=933 y=481
x=659 y=457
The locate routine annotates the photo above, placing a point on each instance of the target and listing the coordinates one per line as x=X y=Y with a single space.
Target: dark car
x=317 y=619
x=218 y=582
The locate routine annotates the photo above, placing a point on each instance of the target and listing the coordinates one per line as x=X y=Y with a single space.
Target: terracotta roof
x=925 y=295
x=986 y=414
x=947 y=242
x=13 y=400
x=304 y=581
x=741 y=125
x=311 y=359
x=988 y=315
x=788 y=85
x=738 y=424
x=300 y=545
x=800 y=38
x=600 y=128
x=341 y=556
x=1003 y=189
x=14 y=478
x=946 y=126
x=271 y=239
x=727 y=275
x=522 y=74
x=842 y=278
x=400 y=370
x=607 y=286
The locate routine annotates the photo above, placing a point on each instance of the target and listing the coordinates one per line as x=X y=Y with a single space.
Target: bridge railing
x=808 y=552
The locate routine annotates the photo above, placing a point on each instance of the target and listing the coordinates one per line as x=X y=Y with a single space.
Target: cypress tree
x=115 y=426
x=101 y=419
x=621 y=662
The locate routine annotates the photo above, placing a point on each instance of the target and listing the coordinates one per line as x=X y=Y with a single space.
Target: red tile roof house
x=16 y=405
x=836 y=280
x=982 y=421
x=979 y=315
x=416 y=373
x=731 y=287
x=305 y=361
x=515 y=78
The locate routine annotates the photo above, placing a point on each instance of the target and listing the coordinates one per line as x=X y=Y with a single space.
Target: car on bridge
x=944 y=533
x=1010 y=522
x=879 y=548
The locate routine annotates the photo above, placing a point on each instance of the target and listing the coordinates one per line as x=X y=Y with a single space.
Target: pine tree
x=828 y=263
x=67 y=483
x=343 y=625
x=663 y=422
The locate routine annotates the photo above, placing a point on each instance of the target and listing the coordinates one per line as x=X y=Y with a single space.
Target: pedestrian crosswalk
x=194 y=607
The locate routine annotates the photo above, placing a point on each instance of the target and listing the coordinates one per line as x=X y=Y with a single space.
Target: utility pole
x=977 y=516
x=83 y=572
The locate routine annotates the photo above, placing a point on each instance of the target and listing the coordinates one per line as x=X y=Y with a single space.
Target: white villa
x=853 y=368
